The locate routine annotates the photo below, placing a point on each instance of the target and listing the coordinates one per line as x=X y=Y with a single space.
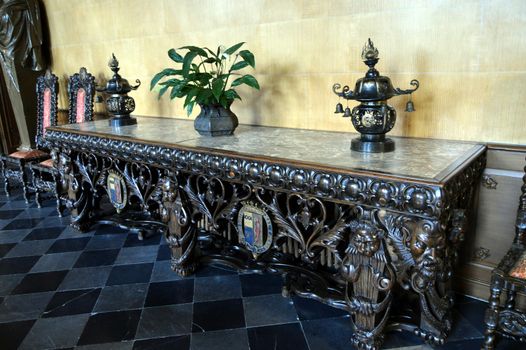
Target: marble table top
x=425 y=159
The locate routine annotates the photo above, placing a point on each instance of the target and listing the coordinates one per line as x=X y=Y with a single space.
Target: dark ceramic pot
x=215 y=120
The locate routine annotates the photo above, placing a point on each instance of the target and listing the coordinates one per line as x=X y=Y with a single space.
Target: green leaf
x=224 y=101
x=248 y=80
x=211 y=52
x=232 y=94
x=217 y=87
x=189 y=108
x=233 y=48
x=210 y=60
x=170 y=82
x=162 y=91
x=162 y=74
x=195 y=49
x=187 y=62
x=177 y=88
x=248 y=57
x=175 y=56
x=203 y=96
x=191 y=94
x=239 y=65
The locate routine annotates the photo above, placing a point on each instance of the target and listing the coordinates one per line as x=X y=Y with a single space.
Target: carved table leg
x=492 y=314
x=58 y=192
x=429 y=279
x=182 y=229
x=370 y=279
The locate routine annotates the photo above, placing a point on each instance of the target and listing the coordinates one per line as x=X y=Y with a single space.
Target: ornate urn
x=119 y=104
x=373 y=117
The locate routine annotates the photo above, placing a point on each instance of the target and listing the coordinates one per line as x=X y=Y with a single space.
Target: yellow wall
x=470 y=56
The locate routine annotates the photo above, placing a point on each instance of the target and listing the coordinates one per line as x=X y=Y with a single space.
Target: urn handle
x=399 y=91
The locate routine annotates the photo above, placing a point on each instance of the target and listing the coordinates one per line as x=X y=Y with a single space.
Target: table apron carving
x=352 y=241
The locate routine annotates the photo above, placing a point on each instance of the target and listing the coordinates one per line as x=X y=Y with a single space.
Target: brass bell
x=409 y=106
x=339 y=108
x=347 y=113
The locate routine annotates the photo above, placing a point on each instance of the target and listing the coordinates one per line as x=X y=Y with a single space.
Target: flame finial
x=113 y=63
x=369 y=52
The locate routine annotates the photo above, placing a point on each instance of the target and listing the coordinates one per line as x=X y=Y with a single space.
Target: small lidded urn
x=373 y=117
x=119 y=104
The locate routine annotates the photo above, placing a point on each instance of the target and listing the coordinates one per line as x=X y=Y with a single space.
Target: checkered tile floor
x=105 y=289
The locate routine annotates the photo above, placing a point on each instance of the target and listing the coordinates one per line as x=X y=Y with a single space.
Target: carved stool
x=509 y=278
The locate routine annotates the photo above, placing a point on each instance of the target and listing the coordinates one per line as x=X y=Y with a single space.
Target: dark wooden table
x=374 y=234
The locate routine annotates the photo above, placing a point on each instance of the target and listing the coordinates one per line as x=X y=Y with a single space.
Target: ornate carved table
x=374 y=234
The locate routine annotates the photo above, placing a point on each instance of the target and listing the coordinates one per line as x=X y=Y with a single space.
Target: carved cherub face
x=366 y=240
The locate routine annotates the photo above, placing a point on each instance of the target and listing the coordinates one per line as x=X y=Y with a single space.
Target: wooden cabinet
x=499 y=192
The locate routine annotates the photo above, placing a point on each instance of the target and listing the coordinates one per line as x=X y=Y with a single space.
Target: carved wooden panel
x=497 y=210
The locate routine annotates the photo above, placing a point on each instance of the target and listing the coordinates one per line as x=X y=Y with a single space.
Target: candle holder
x=373 y=117
x=119 y=104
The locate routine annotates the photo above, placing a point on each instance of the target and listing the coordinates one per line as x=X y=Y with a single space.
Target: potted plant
x=208 y=78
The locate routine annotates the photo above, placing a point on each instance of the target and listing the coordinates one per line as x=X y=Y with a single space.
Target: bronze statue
x=21 y=45
x=21 y=36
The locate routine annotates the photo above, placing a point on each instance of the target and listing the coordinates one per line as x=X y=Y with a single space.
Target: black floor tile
x=261 y=284
x=125 y=274
x=30 y=248
x=121 y=297
x=217 y=288
x=216 y=270
x=398 y=339
x=309 y=309
x=9 y=214
x=10 y=266
x=164 y=253
x=40 y=282
x=217 y=315
x=24 y=306
x=102 y=242
x=72 y=302
x=68 y=245
x=168 y=343
x=18 y=224
x=328 y=333
x=134 y=255
x=97 y=258
x=165 y=321
x=269 y=309
x=280 y=337
x=55 y=333
x=44 y=233
x=473 y=311
x=110 y=230
x=13 y=236
x=86 y=277
x=12 y=334
x=5 y=248
x=110 y=327
x=162 y=271
x=470 y=345
x=56 y=262
x=132 y=240
x=231 y=339
x=172 y=292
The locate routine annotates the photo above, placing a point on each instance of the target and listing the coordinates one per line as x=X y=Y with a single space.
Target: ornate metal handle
x=413 y=82
x=136 y=86
x=489 y=182
x=345 y=93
